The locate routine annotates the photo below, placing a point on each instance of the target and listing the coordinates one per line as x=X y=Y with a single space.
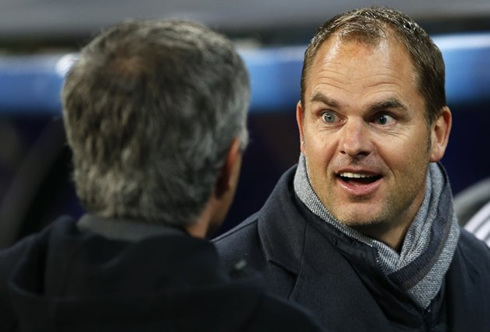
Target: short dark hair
x=372 y=24
x=150 y=110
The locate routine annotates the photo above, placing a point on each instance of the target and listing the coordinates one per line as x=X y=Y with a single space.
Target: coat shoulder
x=241 y=243
x=474 y=248
x=276 y=313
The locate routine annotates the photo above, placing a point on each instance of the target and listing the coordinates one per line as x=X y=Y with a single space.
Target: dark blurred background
x=40 y=24
x=38 y=39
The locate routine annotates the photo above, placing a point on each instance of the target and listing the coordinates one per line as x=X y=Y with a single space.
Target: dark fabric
x=67 y=280
x=310 y=262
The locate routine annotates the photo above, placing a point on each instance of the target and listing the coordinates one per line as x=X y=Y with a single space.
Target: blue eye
x=329 y=117
x=384 y=119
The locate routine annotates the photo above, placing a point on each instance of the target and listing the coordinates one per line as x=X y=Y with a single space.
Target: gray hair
x=369 y=25
x=150 y=110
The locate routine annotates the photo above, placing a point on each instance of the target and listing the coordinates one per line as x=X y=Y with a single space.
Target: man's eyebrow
x=391 y=103
x=388 y=104
x=320 y=97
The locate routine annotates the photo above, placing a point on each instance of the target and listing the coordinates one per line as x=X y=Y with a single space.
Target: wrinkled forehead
x=337 y=43
x=386 y=39
x=362 y=69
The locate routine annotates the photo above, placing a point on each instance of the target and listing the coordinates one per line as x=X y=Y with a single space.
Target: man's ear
x=440 y=130
x=299 y=120
x=229 y=172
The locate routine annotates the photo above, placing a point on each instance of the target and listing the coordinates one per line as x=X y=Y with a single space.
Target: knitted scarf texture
x=427 y=249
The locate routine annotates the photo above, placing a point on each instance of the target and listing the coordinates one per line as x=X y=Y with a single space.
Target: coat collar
x=328 y=282
x=281 y=226
x=315 y=253
x=125 y=229
x=285 y=229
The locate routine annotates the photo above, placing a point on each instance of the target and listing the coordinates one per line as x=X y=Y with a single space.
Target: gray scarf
x=424 y=282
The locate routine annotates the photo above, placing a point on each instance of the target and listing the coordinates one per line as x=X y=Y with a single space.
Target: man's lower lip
x=359 y=189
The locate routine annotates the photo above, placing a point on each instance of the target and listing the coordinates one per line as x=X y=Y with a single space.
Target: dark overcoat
x=311 y=263
x=64 y=279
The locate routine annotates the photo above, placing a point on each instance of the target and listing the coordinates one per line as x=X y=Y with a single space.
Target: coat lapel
x=322 y=275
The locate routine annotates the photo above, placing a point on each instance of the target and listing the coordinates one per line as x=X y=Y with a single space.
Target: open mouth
x=358 y=178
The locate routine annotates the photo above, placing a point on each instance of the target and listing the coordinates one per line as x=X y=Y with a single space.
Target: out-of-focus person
x=155 y=114
x=472 y=206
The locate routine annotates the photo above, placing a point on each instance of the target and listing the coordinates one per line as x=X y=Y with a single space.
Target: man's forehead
x=349 y=74
x=336 y=52
x=385 y=34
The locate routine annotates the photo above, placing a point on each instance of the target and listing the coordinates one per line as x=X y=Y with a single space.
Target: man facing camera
x=155 y=114
x=362 y=231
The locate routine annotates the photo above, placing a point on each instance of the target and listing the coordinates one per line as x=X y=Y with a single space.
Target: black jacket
x=309 y=262
x=64 y=279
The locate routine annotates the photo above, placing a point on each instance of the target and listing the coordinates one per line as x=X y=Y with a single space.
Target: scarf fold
x=429 y=243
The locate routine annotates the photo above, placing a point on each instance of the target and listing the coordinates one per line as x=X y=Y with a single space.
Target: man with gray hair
x=155 y=114
x=362 y=232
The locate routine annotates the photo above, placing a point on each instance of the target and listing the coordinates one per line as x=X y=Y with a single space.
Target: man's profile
x=362 y=232
x=155 y=115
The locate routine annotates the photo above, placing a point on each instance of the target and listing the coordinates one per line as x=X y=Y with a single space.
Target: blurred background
x=39 y=38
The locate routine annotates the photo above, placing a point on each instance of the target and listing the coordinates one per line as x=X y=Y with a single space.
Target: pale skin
x=217 y=207
x=365 y=137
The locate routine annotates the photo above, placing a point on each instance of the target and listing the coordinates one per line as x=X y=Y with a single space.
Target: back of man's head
x=150 y=110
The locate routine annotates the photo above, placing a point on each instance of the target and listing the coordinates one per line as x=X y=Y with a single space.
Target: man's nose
x=355 y=140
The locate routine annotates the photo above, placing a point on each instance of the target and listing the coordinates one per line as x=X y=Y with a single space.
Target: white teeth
x=355 y=175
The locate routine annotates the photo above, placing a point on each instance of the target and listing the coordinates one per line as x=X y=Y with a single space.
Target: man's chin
x=373 y=228
x=356 y=215
x=363 y=222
